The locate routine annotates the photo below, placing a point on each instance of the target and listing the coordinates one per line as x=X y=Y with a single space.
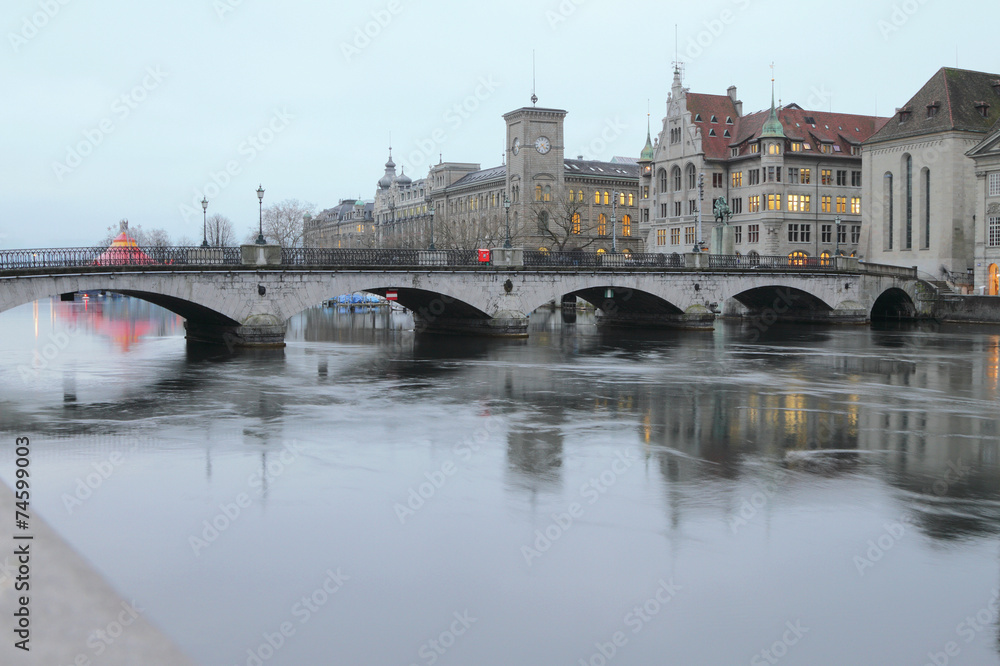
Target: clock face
x=516 y=148
x=543 y=145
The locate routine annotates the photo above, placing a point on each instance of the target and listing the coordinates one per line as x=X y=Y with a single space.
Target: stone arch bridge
x=245 y=297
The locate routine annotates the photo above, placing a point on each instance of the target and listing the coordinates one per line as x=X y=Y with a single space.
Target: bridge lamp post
x=430 y=209
x=260 y=199
x=204 y=222
x=506 y=206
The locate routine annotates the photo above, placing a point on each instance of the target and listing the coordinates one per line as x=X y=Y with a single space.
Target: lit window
x=754 y=147
x=602 y=224
x=579 y=195
x=824 y=203
x=793 y=203
x=841 y=204
x=538 y=192
x=738 y=178
x=675 y=236
x=826 y=177
x=548 y=193
x=753 y=203
x=856 y=205
x=797 y=258
x=824 y=258
x=774 y=202
x=689 y=235
x=796 y=146
x=597 y=197
x=631 y=199
x=571 y=193
x=607 y=198
x=773 y=149
x=621 y=198
x=627 y=225
x=576 y=223
x=661 y=236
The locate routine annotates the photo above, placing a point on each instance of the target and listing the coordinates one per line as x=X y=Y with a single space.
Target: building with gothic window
x=792 y=177
x=927 y=171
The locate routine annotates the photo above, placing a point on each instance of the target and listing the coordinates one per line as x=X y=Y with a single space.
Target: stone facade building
x=349 y=224
x=927 y=207
x=792 y=177
x=986 y=157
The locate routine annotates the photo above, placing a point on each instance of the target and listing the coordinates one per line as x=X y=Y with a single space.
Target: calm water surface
x=827 y=495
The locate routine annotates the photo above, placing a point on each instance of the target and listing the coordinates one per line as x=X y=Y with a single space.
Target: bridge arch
x=782 y=301
x=893 y=304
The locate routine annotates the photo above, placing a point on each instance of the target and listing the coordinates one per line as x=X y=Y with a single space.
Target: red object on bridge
x=484 y=256
x=124 y=251
x=391 y=295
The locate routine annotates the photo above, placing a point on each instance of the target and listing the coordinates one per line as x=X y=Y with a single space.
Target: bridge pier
x=258 y=331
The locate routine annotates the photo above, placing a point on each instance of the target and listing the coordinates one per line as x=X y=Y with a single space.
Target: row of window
x=888 y=203
x=797 y=233
x=796 y=203
x=602 y=224
x=545 y=194
x=796 y=176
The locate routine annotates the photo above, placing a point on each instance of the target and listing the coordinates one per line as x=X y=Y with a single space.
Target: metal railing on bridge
x=331 y=257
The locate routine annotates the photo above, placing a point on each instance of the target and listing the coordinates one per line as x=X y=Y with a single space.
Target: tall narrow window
x=927 y=208
x=576 y=223
x=887 y=201
x=602 y=224
x=908 y=238
x=676 y=171
x=627 y=225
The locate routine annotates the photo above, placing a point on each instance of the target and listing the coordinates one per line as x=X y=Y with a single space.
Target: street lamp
x=430 y=209
x=260 y=198
x=204 y=222
x=506 y=205
x=836 y=221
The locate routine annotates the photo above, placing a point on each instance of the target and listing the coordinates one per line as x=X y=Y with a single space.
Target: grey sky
x=201 y=77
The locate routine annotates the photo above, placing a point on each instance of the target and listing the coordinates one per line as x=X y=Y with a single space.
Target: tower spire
x=534 y=97
x=772 y=126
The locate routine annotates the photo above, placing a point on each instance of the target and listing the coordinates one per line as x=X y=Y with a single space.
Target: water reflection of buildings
x=122 y=319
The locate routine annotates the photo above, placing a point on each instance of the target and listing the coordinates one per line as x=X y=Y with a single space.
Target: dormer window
x=714 y=119
x=796 y=146
x=855 y=150
x=711 y=132
x=697 y=117
x=932 y=109
x=904 y=115
x=754 y=147
x=729 y=120
x=727 y=134
x=734 y=152
x=996 y=86
x=983 y=108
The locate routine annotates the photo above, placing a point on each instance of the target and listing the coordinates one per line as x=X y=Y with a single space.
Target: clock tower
x=535 y=166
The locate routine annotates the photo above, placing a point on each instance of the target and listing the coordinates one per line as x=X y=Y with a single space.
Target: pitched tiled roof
x=703 y=108
x=480 y=176
x=955 y=94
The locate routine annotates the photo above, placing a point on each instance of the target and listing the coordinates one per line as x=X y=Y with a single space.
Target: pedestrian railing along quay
x=157 y=257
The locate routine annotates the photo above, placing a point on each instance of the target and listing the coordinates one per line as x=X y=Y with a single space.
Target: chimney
x=737 y=103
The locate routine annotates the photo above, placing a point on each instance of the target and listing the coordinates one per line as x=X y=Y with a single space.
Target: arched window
x=887 y=199
x=994 y=284
x=662 y=177
x=597 y=197
x=548 y=193
x=543 y=221
x=926 y=182
x=677 y=178
x=538 y=192
x=576 y=223
x=631 y=199
x=607 y=198
x=627 y=225
x=797 y=258
x=571 y=193
x=543 y=250
x=692 y=177
x=602 y=224
x=908 y=174
x=579 y=196
x=601 y=250
x=621 y=198
x=824 y=258
x=627 y=252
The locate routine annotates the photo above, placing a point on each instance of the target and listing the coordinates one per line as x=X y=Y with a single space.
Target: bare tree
x=220 y=231
x=563 y=224
x=283 y=222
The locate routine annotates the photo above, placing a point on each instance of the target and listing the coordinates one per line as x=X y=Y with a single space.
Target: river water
x=367 y=496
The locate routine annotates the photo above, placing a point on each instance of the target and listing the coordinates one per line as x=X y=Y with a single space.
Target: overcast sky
x=122 y=109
